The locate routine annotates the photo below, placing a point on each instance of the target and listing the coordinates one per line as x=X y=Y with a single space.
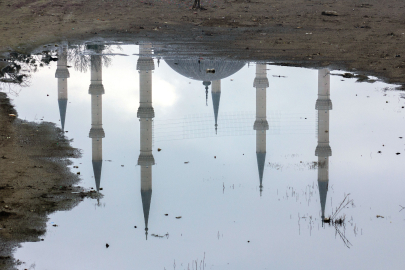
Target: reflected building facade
x=62 y=74
x=323 y=150
x=96 y=90
x=261 y=125
x=145 y=67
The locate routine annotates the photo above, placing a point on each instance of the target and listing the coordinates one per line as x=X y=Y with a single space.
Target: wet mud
x=352 y=35
x=34 y=179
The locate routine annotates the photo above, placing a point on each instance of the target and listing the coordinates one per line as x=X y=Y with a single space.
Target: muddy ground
x=34 y=179
x=362 y=35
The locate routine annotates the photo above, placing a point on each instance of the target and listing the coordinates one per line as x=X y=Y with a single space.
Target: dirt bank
x=34 y=179
x=364 y=35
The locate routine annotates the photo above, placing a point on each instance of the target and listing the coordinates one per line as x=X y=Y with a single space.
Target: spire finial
x=216 y=129
x=206 y=95
x=206 y=84
x=146 y=233
x=261 y=190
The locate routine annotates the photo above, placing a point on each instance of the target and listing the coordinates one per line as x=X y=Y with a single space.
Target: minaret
x=145 y=114
x=62 y=74
x=323 y=150
x=216 y=96
x=261 y=125
x=96 y=90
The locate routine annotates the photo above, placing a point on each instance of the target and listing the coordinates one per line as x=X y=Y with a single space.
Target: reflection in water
x=210 y=72
x=323 y=150
x=96 y=90
x=145 y=114
x=216 y=96
x=228 y=213
x=261 y=125
x=62 y=74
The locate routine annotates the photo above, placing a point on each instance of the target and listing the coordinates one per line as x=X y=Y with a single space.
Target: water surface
x=235 y=169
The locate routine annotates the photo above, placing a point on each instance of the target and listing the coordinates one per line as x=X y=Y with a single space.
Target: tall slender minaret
x=96 y=90
x=261 y=125
x=62 y=74
x=323 y=150
x=145 y=114
x=216 y=96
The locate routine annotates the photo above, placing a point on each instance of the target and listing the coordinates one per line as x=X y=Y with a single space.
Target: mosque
x=194 y=69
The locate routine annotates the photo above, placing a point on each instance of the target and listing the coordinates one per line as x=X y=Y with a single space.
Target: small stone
x=329 y=13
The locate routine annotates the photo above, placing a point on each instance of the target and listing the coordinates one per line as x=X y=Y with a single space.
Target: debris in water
x=166 y=215
x=159 y=149
x=378 y=216
x=397 y=153
x=107 y=245
x=186 y=162
x=179 y=217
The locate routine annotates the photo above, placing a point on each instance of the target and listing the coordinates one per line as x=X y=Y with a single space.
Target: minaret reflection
x=62 y=74
x=145 y=114
x=323 y=150
x=261 y=125
x=96 y=90
x=216 y=96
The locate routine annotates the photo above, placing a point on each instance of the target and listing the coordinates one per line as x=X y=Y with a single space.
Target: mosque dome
x=197 y=69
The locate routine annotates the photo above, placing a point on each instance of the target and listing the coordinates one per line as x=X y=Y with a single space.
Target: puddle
x=247 y=161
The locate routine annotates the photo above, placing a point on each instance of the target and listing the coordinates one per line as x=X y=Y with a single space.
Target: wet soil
x=34 y=179
x=365 y=36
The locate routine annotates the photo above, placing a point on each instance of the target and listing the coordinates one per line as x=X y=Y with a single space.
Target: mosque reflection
x=200 y=70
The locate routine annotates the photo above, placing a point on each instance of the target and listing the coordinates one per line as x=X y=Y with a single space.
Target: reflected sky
x=251 y=158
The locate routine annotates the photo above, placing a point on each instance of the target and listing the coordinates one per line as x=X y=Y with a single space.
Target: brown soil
x=366 y=36
x=34 y=179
